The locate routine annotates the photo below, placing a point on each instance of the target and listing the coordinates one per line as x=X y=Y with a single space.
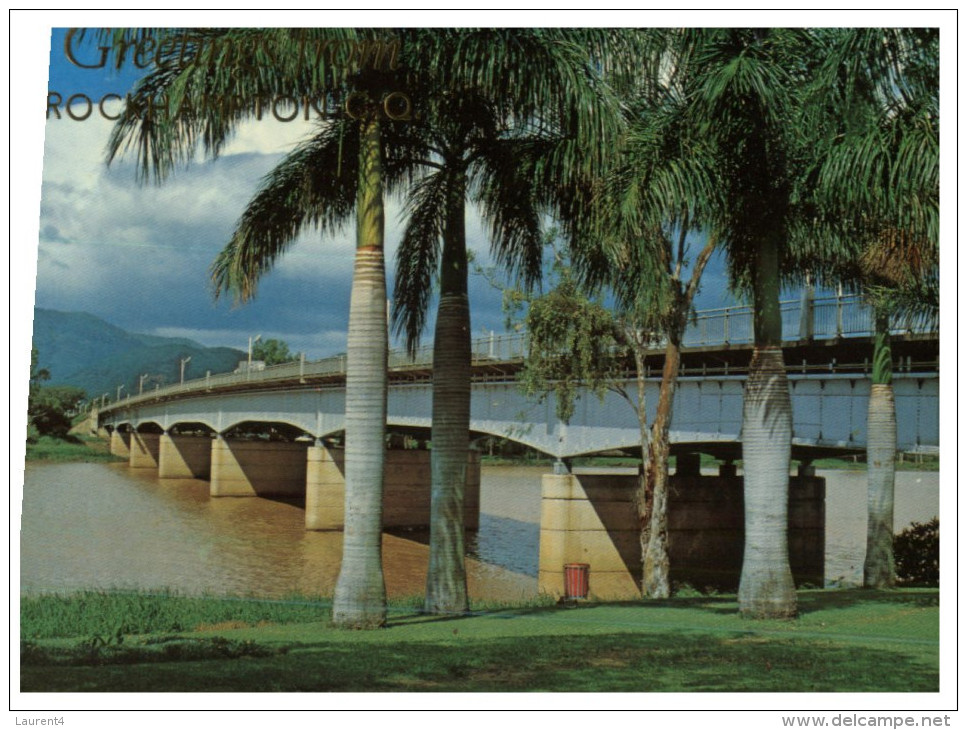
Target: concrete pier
x=184 y=456
x=257 y=468
x=591 y=518
x=145 y=448
x=406 y=491
x=121 y=443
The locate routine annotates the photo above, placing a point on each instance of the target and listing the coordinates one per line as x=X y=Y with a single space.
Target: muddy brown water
x=105 y=526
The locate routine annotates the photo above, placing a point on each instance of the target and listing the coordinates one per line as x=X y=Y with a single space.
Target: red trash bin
x=576 y=580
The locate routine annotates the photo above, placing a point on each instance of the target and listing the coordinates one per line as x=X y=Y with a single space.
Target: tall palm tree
x=745 y=90
x=204 y=101
x=877 y=189
x=493 y=138
x=480 y=135
x=463 y=145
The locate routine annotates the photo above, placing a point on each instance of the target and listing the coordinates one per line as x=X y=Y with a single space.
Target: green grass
x=72 y=449
x=850 y=641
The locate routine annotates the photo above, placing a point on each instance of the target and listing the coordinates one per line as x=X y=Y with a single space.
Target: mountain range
x=83 y=350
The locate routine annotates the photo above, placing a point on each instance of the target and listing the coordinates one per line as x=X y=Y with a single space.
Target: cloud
x=139 y=255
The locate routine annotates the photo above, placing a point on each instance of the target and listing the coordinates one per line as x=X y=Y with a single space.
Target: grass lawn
x=843 y=641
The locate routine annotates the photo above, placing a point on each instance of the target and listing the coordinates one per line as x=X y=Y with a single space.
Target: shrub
x=916 y=552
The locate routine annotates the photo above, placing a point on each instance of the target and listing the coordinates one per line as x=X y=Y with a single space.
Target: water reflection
x=110 y=527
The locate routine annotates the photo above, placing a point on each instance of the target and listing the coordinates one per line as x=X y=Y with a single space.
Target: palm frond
x=315 y=185
x=418 y=255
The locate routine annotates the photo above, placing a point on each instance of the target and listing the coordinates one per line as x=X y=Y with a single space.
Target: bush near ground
x=916 y=554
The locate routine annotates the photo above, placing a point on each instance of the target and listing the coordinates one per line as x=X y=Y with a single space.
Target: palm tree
x=205 y=100
x=878 y=189
x=461 y=137
x=491 y=138
x=745 y=91
x=477 y=135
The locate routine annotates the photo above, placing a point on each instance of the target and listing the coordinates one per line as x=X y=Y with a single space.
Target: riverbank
x=843 y=641
x=76 y=449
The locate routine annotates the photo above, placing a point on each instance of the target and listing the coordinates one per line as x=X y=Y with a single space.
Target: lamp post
x=141 y=383
x=184 y=362
x=120 y=388
x=251 y=341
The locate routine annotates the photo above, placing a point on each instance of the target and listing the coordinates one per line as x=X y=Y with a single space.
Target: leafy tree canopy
x=272 y=352
x=50 y=409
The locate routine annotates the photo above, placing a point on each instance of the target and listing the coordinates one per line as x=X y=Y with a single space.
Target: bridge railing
x=802 y=319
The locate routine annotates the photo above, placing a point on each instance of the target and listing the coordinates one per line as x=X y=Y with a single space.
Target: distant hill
x=83 y=350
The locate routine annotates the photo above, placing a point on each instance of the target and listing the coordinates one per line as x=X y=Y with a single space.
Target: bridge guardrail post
x=807 y=312
x=839 y=310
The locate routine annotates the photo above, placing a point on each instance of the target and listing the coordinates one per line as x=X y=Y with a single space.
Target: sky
x=138 y=255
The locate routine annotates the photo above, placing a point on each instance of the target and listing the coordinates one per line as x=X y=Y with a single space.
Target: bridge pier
x=145 y=448
x=184 y=456
x=121 y=443
x=406 y=490
x=591 y=518
x=242 y=468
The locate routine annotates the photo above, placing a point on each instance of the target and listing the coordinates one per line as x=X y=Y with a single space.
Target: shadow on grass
x=812 y=601
x=610 y=662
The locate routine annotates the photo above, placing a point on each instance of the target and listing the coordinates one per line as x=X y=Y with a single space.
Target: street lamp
x=183 y=363
x=120 y=388
x=141 y=383
x=252 y=341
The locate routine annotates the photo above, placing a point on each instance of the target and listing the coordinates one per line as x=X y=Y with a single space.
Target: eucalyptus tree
x=877 y=189
x=657 y=194
x=204 y=83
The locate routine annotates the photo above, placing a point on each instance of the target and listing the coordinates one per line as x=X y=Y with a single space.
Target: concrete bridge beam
x=184 y=456
x=241 y=468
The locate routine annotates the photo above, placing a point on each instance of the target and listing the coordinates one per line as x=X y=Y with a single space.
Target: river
x=106 y=526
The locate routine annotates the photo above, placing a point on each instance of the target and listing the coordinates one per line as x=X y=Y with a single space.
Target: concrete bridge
x=278 y=432
x=827 y=350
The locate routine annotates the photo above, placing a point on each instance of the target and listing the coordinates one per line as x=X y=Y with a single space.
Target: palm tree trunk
x=446 y=580
x=766 y=589
x=878 y=568
x=360 y=595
